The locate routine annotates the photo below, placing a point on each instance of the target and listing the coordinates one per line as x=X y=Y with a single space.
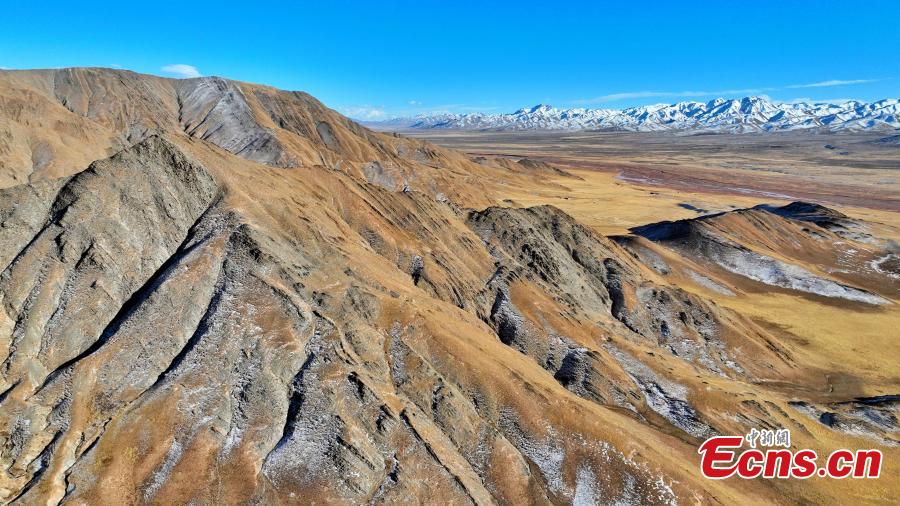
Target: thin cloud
x=181 y=70
x=415 y=102
x=663 y=94
x=365 y=112
x=380 y=113
x=631 y=95
x=445 y=109
x=832 y=82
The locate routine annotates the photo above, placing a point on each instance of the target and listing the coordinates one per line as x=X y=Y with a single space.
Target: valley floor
x=718 y=171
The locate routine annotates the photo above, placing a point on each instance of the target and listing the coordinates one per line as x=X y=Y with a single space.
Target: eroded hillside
x=249 y=298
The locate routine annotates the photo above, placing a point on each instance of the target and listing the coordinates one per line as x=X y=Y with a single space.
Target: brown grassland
x=624 y=180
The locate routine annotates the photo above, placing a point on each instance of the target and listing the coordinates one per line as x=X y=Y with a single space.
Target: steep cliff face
x=257 y=300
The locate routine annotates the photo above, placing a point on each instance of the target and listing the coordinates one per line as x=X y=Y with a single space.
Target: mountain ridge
x=744 y=115
x=247 y=298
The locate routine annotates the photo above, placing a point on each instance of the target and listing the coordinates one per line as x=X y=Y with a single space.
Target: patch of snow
x=586 y=493
x=774 y=272
x=710 y=284
x=161 y=475
x=667 y=398
x=876 y=265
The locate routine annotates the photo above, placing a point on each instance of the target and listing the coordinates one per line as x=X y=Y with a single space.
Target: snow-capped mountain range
x=749 y=114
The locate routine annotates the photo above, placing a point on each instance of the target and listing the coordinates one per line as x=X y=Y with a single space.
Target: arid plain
x=858 y=171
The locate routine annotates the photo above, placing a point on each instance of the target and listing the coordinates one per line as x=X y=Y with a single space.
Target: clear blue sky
x=378 y=59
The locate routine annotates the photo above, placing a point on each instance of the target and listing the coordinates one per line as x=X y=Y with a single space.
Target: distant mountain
x=748 y=114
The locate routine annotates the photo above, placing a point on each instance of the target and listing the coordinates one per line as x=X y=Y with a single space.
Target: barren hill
x=216 y=292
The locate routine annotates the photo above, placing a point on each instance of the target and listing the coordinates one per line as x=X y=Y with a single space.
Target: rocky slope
x=736 y=242
x=255 y=300
x=748 y=114
x=58 y=121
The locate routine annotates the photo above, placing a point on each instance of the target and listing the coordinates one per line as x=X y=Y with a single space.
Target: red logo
x=720 y=458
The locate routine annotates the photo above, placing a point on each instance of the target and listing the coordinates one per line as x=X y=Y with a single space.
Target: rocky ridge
x=253 y=299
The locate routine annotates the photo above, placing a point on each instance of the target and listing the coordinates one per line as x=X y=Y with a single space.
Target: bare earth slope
x=251 y=299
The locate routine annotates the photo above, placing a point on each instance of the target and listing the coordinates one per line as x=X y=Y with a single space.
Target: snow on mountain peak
x=747 y=114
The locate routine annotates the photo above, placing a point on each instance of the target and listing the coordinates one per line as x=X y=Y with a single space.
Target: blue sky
x=375 y=59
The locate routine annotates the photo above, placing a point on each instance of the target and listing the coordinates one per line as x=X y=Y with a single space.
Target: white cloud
x=662 y=94
x=414 y=102
x=364 y=112
x=832 y=82
x=115 y=66
x=630 y=95
x=181 y=70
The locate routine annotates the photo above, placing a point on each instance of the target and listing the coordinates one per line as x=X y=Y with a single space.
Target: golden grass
x=611 y=206
x=862 y=342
